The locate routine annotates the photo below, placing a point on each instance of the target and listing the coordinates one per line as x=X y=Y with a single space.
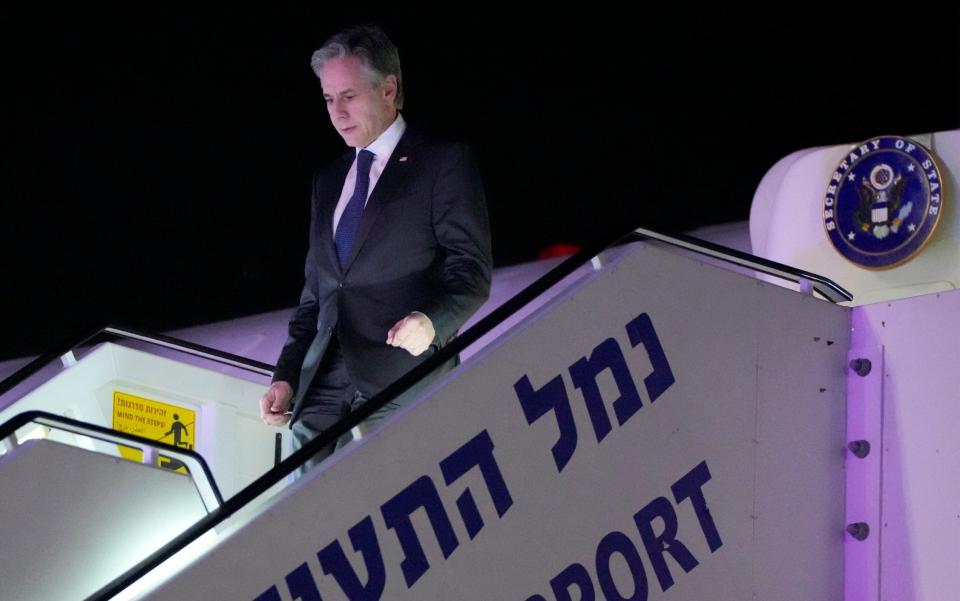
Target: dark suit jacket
x=423 y=244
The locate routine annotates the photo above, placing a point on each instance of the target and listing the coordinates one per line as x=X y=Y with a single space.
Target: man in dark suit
x=399 y=252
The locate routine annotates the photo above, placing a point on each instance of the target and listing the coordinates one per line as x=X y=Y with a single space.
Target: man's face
x=359 y=110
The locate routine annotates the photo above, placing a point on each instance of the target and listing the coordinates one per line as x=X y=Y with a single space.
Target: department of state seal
x=883 y=202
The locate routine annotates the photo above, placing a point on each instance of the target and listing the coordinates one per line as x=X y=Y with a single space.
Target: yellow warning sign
x=157 y=421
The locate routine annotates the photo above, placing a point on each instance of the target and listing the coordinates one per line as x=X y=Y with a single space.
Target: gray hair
x=371 y=45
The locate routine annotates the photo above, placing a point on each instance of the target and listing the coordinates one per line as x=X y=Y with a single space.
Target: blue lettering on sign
x=575 y=575
x=691 y=487
x=477 y=453
x=618 y=542
x=301 y=584
x=666 y=542
x=585 y=372
x=422 y=494
x=553 y=396
x=363 y=537
x=396 y=513
x=574 y=583
x=640 y=331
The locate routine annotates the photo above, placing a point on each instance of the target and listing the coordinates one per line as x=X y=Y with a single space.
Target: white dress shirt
x=381 y=148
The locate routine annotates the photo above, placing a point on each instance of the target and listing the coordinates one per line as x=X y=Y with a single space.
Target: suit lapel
x=394 y=174
x=329 y=196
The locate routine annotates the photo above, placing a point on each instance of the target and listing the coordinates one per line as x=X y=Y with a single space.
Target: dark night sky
x=158 y=160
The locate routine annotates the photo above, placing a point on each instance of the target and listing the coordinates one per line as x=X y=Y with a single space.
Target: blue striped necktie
x=350 y=219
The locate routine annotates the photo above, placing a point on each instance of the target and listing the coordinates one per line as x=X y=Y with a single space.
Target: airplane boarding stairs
x=654 y=425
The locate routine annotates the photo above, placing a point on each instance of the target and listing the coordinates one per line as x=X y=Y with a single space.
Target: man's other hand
x=275 y=404
x=413 y=333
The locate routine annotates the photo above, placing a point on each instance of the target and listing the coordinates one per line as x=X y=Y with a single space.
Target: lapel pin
x=403 y=159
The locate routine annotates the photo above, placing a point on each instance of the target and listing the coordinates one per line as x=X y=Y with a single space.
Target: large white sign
x=665 y=430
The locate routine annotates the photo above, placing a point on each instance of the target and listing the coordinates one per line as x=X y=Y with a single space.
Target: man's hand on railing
x=275 y=404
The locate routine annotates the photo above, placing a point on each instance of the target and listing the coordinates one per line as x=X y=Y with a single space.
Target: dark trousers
x=330 y=397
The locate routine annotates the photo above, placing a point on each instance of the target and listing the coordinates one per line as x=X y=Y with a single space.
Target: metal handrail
x=826 y=287
x=196 y=465
x=197 y=350
x=184 y=346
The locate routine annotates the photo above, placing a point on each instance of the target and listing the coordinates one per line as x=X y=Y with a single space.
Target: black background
x=157 y=160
